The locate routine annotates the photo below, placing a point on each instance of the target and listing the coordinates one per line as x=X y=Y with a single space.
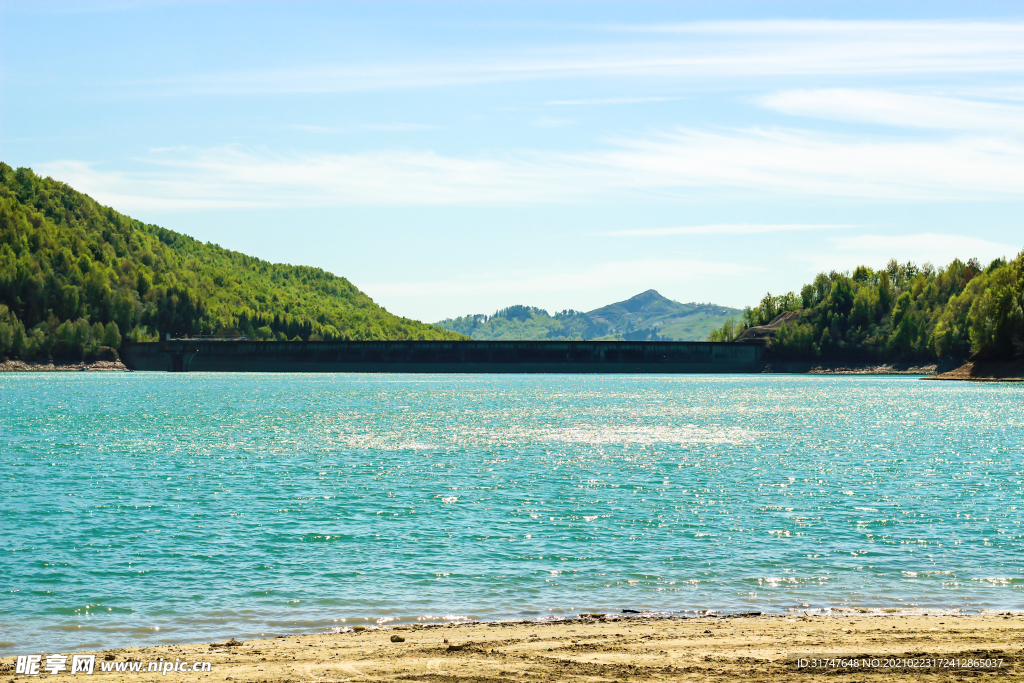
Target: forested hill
x=664 y=318
x=645 y=317
x=900 y=312
x=76 y=276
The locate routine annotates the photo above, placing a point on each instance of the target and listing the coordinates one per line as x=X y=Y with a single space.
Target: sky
x=460 y=157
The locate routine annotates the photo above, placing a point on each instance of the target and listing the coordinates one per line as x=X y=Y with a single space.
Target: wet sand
x=759 y=648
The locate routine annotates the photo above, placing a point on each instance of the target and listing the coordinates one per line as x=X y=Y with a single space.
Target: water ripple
x=151 y=508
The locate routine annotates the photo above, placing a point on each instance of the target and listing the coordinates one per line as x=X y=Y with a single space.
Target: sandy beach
x=759 y=648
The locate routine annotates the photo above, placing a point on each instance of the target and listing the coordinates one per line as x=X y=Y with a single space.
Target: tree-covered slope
x=901 y=312
x=646 y=316
x=75 y=275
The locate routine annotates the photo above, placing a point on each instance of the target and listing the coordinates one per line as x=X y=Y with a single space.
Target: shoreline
x=600 y=648
x=1005 y=371
x=15 y=365
x=985 y=371
x=880 y=369
x=50 y=366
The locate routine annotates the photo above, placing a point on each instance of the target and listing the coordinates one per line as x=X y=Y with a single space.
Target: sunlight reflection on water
x=161 y=508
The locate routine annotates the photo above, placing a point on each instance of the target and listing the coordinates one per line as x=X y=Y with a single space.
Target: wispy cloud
x=728 y=229
x=699 y=51
x=683 y=164
x=826 y=29
x=233 y=177
x=799 y=162
x=979 y=154
x=900 y=109
x=146 y=191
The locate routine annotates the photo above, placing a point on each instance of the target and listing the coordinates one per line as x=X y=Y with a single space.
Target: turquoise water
x=147 y=508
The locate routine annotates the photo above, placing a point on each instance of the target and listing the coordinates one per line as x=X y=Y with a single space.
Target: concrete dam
x=206 y=355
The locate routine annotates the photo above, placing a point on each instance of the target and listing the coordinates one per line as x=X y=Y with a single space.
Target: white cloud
x=127 y=192
x=899 y=109
x=701 y=51
x=682 y=164
x=799 y=162
x=727 y=229
x=232 y=177
x=876 y=250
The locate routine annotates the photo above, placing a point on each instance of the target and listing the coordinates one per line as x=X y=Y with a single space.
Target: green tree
x=112 y=335
x=901 y=312
x=996 y=320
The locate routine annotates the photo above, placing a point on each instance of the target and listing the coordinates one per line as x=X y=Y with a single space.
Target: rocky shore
x=986 y=371
x=809 y=368
x=884 y=369
x=50 y=366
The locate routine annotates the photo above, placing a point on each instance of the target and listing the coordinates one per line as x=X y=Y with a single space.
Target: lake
x=144 y=508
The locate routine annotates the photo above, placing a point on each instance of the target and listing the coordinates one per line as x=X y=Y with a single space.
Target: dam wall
x=197 y=355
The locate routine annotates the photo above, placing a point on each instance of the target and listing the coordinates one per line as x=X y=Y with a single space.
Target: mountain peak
x=643 y=303
x=642 y=300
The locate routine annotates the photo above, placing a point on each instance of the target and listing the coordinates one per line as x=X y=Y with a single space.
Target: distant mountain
x=646 y=316
x=669 y=319
x=527 y=322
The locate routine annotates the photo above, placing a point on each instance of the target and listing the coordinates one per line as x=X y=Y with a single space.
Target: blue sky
x=458 y=157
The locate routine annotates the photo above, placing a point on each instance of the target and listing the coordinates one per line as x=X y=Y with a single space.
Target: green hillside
x=902 y=312
x=646 y=316
x=76 y=276
x=649 y=313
